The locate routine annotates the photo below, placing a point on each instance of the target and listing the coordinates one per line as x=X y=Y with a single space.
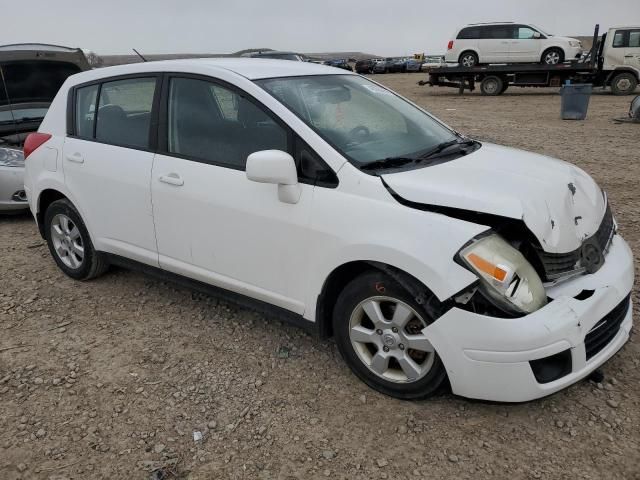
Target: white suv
x=509 y=43
x=321 y=196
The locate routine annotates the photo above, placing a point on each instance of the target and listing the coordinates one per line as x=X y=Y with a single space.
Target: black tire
x=377 y=284
x=492 y=85
x=552 y=56
x=468 y=59
x=93 y=263
x=624 y=83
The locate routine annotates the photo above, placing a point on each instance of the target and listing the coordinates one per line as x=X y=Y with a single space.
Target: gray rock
x=159 y=447
x=454 y=458
x=612 y=403
x=329 y=454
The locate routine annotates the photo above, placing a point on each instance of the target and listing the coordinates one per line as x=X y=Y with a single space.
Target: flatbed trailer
x=494 y=79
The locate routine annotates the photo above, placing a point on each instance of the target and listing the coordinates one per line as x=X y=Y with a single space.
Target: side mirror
x=537 y=35
x=276 y=167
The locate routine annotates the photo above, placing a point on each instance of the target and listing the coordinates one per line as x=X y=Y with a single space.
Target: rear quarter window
x=469 y=33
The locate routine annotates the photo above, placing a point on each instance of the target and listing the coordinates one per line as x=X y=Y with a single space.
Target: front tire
x=70 y=244
x=624 y=83
x=552 y=56
x=378 y=327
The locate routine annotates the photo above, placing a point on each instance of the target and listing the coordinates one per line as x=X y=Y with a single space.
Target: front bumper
x=12 y=197
x=488 y=358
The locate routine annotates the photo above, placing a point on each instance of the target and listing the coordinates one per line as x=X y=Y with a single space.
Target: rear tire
x=552 y=56
x=492 y=85
x=70 y=244
x=377 y=326
x=468 y=59
x=624 y=83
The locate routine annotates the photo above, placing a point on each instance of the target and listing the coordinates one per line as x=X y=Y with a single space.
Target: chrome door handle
x=172 y=179
x=75 y=157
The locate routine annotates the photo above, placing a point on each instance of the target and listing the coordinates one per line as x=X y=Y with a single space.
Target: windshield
x=363 y=121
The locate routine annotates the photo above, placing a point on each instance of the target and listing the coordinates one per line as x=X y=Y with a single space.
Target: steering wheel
x=360 y=131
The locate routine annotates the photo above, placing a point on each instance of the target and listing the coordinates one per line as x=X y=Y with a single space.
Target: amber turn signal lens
x=487 y=267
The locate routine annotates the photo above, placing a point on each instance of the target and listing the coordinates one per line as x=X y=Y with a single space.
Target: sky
x=391 y=27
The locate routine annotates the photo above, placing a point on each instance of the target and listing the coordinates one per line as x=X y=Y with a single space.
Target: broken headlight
x=506 y=277
x=10 y=157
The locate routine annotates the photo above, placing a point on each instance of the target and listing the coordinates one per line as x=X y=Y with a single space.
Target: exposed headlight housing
x=575 y=43
x=506 y=277
x=11 y=157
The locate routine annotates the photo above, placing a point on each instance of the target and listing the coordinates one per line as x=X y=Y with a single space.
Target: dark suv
x=365 y=66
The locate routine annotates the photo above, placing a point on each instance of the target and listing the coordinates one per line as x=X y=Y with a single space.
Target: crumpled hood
x=559 y=203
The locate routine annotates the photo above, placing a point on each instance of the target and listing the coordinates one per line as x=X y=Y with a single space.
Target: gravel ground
x=112 y=378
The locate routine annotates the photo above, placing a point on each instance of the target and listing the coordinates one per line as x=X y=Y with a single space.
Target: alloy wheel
x=67 y=241
x=468 y=61
x=552 y=58
x=387 y=336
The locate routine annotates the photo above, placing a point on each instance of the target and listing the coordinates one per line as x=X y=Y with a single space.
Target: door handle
x=172 y=179
x=628 y=56
x=75 y=157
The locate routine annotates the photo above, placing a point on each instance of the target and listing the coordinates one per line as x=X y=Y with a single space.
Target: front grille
x=606 y=329
x=556 y=265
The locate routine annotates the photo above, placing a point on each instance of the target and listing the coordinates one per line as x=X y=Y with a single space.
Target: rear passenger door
x=212 y=223
x=108 y=155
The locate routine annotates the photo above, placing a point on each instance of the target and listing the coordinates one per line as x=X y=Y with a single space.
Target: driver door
x=212 y=223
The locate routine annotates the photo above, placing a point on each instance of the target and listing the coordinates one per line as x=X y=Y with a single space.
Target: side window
x=311 y=168
x=469 y=33
x=634 y=38
x=124 y=112
x=497 y=32
x=523 y=33
x=85 y=111
x=214 y=124
x=620 y=39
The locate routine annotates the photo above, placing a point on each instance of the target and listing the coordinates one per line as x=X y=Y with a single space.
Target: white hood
x=557 y=201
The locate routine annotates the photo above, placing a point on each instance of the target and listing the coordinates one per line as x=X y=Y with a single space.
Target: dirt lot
x=111 y=378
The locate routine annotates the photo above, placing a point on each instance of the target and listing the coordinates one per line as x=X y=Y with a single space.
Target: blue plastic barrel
x=575 y=101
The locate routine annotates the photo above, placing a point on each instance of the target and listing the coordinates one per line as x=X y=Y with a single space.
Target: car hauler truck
x=614 y=61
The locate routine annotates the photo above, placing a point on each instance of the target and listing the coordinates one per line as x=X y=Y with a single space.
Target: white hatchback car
x=330 y=200
x=509 y=43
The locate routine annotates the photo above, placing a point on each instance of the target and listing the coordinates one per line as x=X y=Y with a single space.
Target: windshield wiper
x=389 y=162
x=438 y=149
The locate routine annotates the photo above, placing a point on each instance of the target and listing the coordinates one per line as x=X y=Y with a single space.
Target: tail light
x=34 y=141
x=450 y=46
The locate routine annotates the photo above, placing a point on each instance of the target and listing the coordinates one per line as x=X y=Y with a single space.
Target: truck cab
x=620 y=58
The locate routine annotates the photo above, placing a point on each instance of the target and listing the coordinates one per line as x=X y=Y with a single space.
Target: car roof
x=35 y=46
x=251 y=68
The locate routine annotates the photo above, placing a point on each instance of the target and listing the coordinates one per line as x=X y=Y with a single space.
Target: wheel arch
x=343 y=274
x=622 y=69
x=470 y=50
x=554 y=47
x=46 y=198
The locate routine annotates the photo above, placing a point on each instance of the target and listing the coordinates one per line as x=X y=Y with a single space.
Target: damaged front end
x=515 y=274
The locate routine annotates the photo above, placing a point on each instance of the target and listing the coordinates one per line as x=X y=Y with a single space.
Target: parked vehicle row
x=30 y=76
x=264 y=177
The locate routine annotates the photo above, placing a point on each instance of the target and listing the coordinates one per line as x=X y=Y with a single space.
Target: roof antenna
x=139 y=54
